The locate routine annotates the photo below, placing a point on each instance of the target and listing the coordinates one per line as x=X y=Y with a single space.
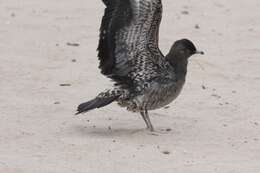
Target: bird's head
x=182 y=50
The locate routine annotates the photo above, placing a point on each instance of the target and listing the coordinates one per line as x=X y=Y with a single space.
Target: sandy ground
x=215 y=123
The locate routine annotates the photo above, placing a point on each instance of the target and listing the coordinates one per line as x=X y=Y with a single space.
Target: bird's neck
x=179 y=65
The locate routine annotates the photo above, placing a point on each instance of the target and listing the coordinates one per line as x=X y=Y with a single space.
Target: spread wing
x=128 y=46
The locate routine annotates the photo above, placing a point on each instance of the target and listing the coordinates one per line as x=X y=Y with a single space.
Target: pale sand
x=214 y=130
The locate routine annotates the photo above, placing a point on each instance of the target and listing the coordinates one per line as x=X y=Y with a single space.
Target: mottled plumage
x=129 y=55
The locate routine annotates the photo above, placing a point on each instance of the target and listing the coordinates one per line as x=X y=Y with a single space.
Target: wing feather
x=128 y=28
x=117 y=15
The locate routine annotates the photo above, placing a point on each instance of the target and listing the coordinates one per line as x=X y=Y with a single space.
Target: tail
x=101 y=100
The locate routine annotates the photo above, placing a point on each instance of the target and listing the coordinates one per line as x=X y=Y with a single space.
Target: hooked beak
x=199 y=52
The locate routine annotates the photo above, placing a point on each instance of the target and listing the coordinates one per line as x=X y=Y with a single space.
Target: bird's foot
x=150 y=128
x=159 y=132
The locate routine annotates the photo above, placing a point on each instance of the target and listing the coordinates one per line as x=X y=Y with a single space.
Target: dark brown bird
x=129 y=55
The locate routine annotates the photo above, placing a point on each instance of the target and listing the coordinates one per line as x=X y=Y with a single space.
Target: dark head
x=182 y=50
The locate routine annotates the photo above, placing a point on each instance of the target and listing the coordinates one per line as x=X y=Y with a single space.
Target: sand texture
x=48 y=65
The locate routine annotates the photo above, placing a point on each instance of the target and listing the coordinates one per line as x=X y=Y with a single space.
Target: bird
x=143 y=78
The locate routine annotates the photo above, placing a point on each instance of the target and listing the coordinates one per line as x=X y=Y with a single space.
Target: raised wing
x=128 y=45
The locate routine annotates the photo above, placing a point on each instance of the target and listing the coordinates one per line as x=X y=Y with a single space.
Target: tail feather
x=98 y=102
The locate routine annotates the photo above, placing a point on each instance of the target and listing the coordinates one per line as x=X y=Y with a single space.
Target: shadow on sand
x=105 y=132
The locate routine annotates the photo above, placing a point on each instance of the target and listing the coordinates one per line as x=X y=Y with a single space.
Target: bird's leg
x=145 y=120
x=149 y=124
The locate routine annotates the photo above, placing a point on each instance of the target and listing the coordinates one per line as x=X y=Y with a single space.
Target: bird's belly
x=159 y=100
x=151 y=100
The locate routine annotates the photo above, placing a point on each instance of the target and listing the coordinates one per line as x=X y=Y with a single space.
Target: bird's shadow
x=105 y=132
x=118 y=132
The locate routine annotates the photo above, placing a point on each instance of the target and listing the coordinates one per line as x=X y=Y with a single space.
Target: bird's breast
x=155 y=96
x=164 y=96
